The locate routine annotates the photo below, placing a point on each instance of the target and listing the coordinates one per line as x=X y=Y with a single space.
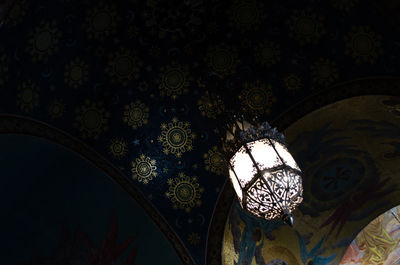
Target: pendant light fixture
x=263 y=173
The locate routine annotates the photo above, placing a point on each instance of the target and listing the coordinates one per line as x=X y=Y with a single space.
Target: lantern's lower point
x=288 y=218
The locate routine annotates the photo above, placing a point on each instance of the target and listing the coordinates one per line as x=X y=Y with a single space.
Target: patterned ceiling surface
x=145 y=83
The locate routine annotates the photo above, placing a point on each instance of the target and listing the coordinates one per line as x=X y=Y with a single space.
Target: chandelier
x=263 y=173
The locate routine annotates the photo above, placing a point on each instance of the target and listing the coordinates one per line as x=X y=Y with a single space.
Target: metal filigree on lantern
x=251 y=133
x=263 y=173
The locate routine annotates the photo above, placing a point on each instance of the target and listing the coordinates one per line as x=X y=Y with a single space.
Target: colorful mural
x=347 y=151
x=60 y=209
x=377 y=243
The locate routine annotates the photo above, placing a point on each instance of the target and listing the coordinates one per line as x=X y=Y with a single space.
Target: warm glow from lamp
x=266 y=179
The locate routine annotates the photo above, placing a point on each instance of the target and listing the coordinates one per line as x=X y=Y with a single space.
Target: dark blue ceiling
x=146 y=83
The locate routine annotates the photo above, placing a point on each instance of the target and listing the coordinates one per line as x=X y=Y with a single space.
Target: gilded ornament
x=363 y=44
x=184 y=192
x=76 y=73
x=257 y=98
x=118 y=147
x=246 y=15
x=144 y=169
x=215 y=162
x=101 y=21
x=222 y=59
x=176 y=137
x=293 y=82
x=56 y=109
x=174 y=80
x=210 y=105
x=344 y=4
x=324 y=72
x=173 y=19
x=306 y=26
x=27 y=96
x=16 y=13
x=267 y=53
x=194 y=239
x=91 y=119
x=136 y=114
x=43 y=41
x=123 y=66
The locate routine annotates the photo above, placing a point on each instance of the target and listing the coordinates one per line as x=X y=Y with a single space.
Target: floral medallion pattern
x=176 y=137
x=293 y=82
x=123 y=66
x=257 y=98
x=215 y=162
x=28 y=96
x=16 y=13
x=44 y=41
x=184 y=192
x=118 y=148
x=144 y=169
x=76 y=73
x=222 y=59
x=91 y=119
x=174 y=80
x=136 y=114
x=246 y=15
x=101 y=21
x=306 y=26
x=363 y=44
x=267 y=53
x=324 y=72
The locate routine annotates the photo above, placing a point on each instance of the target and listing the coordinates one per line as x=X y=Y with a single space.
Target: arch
x=22 y=125
x=370 y=86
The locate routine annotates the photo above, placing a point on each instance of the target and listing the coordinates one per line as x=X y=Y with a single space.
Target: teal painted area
x=43 y=186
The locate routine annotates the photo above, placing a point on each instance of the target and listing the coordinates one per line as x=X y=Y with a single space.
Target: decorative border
x=389 y=86
x=23 y=125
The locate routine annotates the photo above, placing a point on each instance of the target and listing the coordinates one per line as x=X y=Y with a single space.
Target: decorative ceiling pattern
x=146 y=83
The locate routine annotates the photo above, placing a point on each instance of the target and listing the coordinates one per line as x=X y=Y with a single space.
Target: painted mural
x=377 y=243
x=59 y=209
x=348 y=152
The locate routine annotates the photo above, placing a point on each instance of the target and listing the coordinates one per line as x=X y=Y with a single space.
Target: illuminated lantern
x=263 y=173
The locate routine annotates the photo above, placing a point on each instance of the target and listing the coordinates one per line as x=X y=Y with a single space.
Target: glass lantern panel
x=243 y=166
x=236 y=186
x=264 y=154
x=285 y=155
